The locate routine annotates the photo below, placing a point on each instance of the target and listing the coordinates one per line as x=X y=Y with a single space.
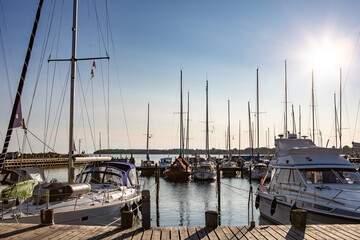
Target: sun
x=326 y=55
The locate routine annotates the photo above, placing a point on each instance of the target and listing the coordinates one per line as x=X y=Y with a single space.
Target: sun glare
x=327 y=55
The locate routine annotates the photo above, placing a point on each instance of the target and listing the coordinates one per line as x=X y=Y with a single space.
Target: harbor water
x=184 y=204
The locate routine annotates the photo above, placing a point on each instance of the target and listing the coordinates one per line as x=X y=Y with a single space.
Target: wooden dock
x=33 y=231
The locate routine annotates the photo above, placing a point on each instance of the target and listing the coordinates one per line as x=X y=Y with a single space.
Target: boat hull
x=176 y=174
x=98 y=215
x=282 y=212
x=210 y=176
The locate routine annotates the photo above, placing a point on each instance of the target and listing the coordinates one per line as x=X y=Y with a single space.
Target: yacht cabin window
x=320 y=176
x=350 y=176
x=287 y=176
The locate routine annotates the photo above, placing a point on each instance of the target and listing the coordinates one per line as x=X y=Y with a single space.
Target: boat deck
x=33 y=231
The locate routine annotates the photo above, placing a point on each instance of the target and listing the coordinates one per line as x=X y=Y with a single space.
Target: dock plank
x=237 y=233
x=248 y=233
x=174 y=233
x=227 y=232
x=165 y=233
x=210 y=233
x=192 y=233
x=278 y=233
x=311 y=229
x=183 y=233
x=219 y=233
x=348 y=229
x=341 y=233
x=262 y=231
x=156 y=234
x=294 y=232
x=147 y=234
x=138 y=234
x=201 y=233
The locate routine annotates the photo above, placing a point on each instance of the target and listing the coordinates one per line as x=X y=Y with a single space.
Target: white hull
x=204 y=175
x=282 y=214
x=99 y=214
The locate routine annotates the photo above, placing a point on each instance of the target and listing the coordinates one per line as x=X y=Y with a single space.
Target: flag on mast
x=92 y=74
x=18 y=121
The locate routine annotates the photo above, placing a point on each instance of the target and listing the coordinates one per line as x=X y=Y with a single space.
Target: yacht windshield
x=320 y=176
x=350 y=176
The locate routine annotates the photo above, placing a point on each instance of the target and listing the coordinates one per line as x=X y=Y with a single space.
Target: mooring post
x=127 y=219
x=145 y=202
x=47 y=216
x=211 y=219
x=298 y=218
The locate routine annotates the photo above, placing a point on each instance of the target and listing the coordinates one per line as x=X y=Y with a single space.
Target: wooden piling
x=145 y=202
x=298 y=218
x=47 y=216
x=211 y=219
x=127 y=219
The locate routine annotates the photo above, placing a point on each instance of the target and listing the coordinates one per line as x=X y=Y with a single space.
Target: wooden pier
x=33 y=231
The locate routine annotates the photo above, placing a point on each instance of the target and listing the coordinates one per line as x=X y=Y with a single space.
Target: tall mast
x=147 y=134
x=207 y=121
x=340 y=128
x=229 y=129
x=299 y=121
x=336 y=129
x=72 y=93
x=17 y=100
x=313 y=104
x=250 y=129
x=187 y=124
x=293 y=117
x=181 y=117
x=257 y=109
x=286 y=131
x=239 y=137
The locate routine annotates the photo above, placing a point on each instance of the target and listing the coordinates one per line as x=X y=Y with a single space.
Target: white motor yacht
x=312 y=178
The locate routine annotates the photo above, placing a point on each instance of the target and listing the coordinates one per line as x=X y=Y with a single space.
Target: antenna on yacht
x=312 y=104
x=340 y=128
x=286 y=131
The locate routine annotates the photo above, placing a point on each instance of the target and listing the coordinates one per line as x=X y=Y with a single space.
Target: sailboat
x=179 y=169
x=147 y=162
x=101 y=191
x=205 y=169
x=228 y=166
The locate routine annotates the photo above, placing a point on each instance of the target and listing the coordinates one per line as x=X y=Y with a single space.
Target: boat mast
x=147 y=135
x=207 y=121
x=181 y=118
x=17 y=101
x=72 y=94
x=229 y=129
x=257 y=110
x=299 y=121
x=250 y=130
x=187 y=125
x=239 y=137
x=293 y=117
x=312 y=104
x=335 y=121
x=286 y=131
x=340 y=127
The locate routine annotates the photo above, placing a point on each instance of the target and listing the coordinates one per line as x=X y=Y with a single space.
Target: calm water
x=184 y=204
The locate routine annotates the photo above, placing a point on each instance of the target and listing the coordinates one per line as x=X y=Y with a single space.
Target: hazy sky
x=225 y=41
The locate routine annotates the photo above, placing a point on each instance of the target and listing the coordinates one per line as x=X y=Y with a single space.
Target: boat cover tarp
x=21 y=189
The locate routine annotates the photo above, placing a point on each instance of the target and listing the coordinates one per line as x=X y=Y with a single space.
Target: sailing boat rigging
x=101 y=191
x=179 y=169
x=206 y=169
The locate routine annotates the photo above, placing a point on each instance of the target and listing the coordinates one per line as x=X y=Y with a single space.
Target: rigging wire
x=42 y=57
x=87 y=113
x=118 y=79
x=357 y=115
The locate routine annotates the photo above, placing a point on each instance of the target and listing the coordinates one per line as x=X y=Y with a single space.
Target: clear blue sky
x=223 y=40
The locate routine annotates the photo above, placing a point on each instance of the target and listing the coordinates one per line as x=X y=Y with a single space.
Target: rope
x=245 y=190
x=39 y=139
x=236 y=192
x=118 y=79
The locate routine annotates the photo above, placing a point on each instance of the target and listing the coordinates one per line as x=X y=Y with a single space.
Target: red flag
x=94 y=65
x=92 y=73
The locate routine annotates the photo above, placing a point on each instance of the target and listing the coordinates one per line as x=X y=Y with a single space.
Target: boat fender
x=125 y=208
x=273 y=206
x=134 y=208
x=292 y=208
x=257 y=201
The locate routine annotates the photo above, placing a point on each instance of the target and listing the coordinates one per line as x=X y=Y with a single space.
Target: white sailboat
x=101 y=191
x=205 y=169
